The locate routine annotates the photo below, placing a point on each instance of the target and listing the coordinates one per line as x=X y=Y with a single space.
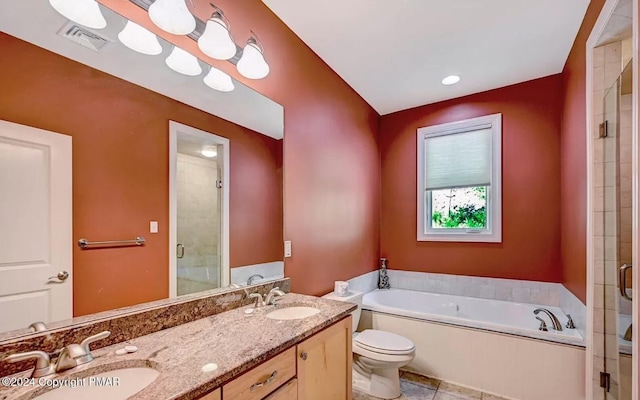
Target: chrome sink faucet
x=70 y=356
x=554 y=320
x=78 y=354
x=271 y=297
x=43 y=362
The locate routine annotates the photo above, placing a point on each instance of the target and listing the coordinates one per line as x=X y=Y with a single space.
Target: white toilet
x=377 y=355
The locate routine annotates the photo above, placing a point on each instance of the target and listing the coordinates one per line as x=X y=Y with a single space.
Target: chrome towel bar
x=138 y=241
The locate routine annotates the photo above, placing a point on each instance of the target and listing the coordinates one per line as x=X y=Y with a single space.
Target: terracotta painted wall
x=573 y=156
x=530 y=248
x=120 y=171
x=331 y=159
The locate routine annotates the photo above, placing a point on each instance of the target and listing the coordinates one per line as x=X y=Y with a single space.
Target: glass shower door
x=612 y=170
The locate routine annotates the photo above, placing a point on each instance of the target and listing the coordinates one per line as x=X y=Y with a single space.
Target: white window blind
x=458 y=160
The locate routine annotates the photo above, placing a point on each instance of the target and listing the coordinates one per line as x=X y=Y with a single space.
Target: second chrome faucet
x=554 y=320
x=70 y=356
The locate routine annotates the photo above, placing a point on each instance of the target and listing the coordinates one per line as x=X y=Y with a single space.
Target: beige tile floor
x=416 y=387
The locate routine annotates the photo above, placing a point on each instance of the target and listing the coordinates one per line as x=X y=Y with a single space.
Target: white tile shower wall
x=269 y=270
x=364 y=283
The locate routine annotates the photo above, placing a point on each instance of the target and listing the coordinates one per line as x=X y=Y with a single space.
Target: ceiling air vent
x=82 y=36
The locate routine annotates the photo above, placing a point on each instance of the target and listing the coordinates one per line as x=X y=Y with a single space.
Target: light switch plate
x=153 y=227
x=287 y=248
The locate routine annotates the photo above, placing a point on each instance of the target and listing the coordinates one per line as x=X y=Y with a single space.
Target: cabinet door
x=215 y=395
x=324 y=364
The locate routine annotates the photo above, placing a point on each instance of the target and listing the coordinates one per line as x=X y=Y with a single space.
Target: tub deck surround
x=490 y=315
x=131 y=322
x=546 y=294
x=233 y=340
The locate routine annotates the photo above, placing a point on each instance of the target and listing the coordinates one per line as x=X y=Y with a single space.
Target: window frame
x=493 y=233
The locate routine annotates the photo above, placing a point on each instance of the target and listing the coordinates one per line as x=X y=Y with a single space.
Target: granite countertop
x=234 y=340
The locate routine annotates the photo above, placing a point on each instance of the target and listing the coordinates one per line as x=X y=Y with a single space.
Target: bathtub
x=489 y=345
x=492 y=315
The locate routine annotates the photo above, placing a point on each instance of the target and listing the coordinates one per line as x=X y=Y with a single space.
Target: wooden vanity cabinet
x=318 y=368
x=324 y=364
x=215 y=395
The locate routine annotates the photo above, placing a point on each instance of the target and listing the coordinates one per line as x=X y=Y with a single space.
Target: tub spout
x=554 y=321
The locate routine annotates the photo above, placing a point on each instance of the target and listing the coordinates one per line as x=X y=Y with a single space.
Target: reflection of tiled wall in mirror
x=198 y=224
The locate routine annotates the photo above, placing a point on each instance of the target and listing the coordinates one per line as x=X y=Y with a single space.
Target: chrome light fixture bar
x=197 y=32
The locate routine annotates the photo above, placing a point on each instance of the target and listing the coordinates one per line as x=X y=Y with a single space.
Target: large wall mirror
x=101 y=143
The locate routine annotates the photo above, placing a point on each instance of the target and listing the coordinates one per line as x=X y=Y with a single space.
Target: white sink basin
x=293 y=313
x=119 y=384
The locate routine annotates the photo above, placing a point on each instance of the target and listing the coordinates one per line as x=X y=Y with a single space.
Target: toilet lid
x=384 y=342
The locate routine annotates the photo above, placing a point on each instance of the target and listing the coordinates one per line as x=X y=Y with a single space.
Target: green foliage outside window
x=459 y=208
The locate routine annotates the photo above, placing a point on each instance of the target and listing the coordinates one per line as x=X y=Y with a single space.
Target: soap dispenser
x=383 y=280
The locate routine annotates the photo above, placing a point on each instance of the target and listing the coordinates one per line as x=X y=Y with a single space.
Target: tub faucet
x=554 y=321
x=252 y=277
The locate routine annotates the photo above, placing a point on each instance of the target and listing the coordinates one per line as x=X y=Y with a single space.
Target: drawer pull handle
x=270 y=379
x=304 y=356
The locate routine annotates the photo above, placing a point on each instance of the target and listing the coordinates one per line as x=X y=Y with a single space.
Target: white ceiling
x=394 y=53
x=35 y=21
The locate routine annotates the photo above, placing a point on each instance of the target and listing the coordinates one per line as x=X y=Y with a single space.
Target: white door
x=35 y=226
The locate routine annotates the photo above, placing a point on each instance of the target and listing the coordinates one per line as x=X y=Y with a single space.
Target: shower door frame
x=176 y=128
x=596 y=32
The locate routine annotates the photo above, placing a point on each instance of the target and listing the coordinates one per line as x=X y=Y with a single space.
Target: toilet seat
x=382 y=342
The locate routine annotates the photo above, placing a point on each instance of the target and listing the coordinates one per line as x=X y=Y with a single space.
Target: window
x=459 y=181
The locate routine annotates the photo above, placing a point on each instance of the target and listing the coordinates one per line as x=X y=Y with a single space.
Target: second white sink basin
x=119 y=384
x=293 y=313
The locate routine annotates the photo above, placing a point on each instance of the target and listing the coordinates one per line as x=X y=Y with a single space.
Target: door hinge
x=605 y=380
x=219 y=184
x=603 y=131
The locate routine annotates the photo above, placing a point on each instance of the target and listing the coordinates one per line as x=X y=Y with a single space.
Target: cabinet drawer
x=263 y=379
x=288 y=392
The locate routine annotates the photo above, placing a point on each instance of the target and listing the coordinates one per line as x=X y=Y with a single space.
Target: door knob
x=304 y=356
x=62 y=276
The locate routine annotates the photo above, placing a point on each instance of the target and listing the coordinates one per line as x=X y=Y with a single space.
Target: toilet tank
x=351 y=297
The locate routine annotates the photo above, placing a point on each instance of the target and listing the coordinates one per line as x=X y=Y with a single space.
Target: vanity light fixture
x=209 y=152
x=83 y=12
x=218 y=80
x=139 y=39
x=216 y=41
x=252 y=64
x=172 y=16
x=183 y=62
x=451 y=80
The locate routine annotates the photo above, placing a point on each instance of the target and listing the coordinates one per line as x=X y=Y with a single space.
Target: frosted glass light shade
x=183 y=62
x=216 y=41
x=83 y=12
x=252 y=64
x=218 y=80
x=139 y=39
x=172 y=16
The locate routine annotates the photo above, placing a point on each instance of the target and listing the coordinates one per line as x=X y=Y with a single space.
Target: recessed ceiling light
x=209 y=152
x=451 y=80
